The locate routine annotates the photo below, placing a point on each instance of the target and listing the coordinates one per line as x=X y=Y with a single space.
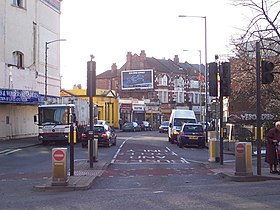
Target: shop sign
x=151 y=108
x=19 y=96
x=126 y=106
x=138 y=108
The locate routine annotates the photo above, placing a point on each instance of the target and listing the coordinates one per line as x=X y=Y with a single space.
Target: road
x=145 y=172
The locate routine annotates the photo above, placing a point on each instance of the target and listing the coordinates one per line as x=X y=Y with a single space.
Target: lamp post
x=206 y=71
x=46 y=64
x=200 y=91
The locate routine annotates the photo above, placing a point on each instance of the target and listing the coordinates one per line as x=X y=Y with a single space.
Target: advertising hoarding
x=137 y=79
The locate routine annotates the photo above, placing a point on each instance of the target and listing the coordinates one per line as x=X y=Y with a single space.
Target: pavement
x=84 y=175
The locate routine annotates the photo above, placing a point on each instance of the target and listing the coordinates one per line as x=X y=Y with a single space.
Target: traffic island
x=83 y=178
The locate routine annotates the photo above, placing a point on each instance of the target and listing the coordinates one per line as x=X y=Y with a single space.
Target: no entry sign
x=240 y=148
x=58 y=155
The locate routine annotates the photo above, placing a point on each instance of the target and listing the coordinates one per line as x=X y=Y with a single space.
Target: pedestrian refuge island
x=59 y=167
x=243 y=159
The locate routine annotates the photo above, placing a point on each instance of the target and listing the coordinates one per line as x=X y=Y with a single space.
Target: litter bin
x=243 y=159
x=59 y=167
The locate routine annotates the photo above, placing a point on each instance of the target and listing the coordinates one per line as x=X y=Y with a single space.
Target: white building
x=25 y=28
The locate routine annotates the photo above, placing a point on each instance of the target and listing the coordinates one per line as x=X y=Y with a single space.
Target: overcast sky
x=109 y=29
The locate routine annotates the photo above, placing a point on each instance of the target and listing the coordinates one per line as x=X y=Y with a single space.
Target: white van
x=177 y=118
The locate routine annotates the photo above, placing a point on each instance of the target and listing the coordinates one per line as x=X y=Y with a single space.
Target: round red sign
x=58 y=155
x=240 y=148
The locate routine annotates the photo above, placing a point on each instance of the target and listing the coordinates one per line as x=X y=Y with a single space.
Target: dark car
x=145 y=125
x=163 y=128
x=131 y=126
x=191 y=134
x=105 y=135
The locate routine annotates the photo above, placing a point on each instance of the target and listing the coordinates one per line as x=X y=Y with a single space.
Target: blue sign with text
x=19 y=96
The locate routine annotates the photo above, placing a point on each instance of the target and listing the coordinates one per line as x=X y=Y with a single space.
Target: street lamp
x=46 y=64
x=206 y=72
x=199 y=69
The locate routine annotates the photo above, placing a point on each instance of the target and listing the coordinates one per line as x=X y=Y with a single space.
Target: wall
x=16 y=121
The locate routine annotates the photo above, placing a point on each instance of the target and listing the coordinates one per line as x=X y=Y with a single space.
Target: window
x=163 y=80
x=19 y=3
x=179 y=82
x=18 y=59
x=163 y=96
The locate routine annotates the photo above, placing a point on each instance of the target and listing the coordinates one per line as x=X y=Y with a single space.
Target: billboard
x=137 y=79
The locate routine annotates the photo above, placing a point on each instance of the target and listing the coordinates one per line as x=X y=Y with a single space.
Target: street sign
x=58 y=155
x=240 y=148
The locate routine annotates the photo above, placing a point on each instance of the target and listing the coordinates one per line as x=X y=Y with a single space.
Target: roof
x=108 y=74
x=160 y=65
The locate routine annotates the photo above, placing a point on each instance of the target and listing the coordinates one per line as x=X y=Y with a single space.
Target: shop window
x=18 y=59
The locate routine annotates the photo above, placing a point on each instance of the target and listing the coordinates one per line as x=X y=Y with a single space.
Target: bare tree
x=263 y=26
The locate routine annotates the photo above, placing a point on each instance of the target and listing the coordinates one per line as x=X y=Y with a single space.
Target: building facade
x=25 y=28
x=150 y=88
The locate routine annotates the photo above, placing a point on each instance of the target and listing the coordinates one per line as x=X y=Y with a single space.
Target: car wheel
x=45 y=142
x=108 y=144
x=180 y=144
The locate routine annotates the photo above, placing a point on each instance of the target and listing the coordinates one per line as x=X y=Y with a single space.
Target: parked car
x=131 y=126
x=191 y=134
x=105 y=135
x=145 y=125
x=163 y=128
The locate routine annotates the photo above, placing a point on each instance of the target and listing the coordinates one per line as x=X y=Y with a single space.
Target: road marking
x=9 y=151
x=4 y=151
x=118 y=151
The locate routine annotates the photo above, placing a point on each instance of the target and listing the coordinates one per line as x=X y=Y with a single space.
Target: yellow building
x=106 y=101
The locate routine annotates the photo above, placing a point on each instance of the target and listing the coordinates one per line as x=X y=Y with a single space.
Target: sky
x=108 y=29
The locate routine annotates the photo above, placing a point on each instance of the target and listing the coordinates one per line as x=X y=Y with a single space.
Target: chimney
x=128 y=60
x=142 y=55
x=114 y=67
x=176 y=59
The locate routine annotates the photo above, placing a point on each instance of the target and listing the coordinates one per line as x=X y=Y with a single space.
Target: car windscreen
x=165 y=123
x=181 y=121
x=193 y=128
x=97 y=129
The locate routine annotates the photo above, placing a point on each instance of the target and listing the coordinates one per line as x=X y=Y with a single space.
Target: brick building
x=167 y=84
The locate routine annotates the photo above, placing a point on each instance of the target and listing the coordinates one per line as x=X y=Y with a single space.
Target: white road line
x=4 y=151
x=12 y=151
x=118 y=151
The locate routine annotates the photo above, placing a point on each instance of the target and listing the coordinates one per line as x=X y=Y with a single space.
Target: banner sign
x=137 y=79
x=19 y=96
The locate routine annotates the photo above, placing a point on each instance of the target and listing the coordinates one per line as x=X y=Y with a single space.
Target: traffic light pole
x=221 y=117
x=258 y=87
x=91 y=91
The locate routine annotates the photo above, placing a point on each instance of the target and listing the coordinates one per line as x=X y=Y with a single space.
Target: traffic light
x=213 y=84
x=267 y=75
x=225 y=79
x=91 y=78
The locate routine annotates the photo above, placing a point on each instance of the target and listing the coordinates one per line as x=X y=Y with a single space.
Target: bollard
x=243 y=159
x=59 y=167
x=94 y=150
x=214 y=150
